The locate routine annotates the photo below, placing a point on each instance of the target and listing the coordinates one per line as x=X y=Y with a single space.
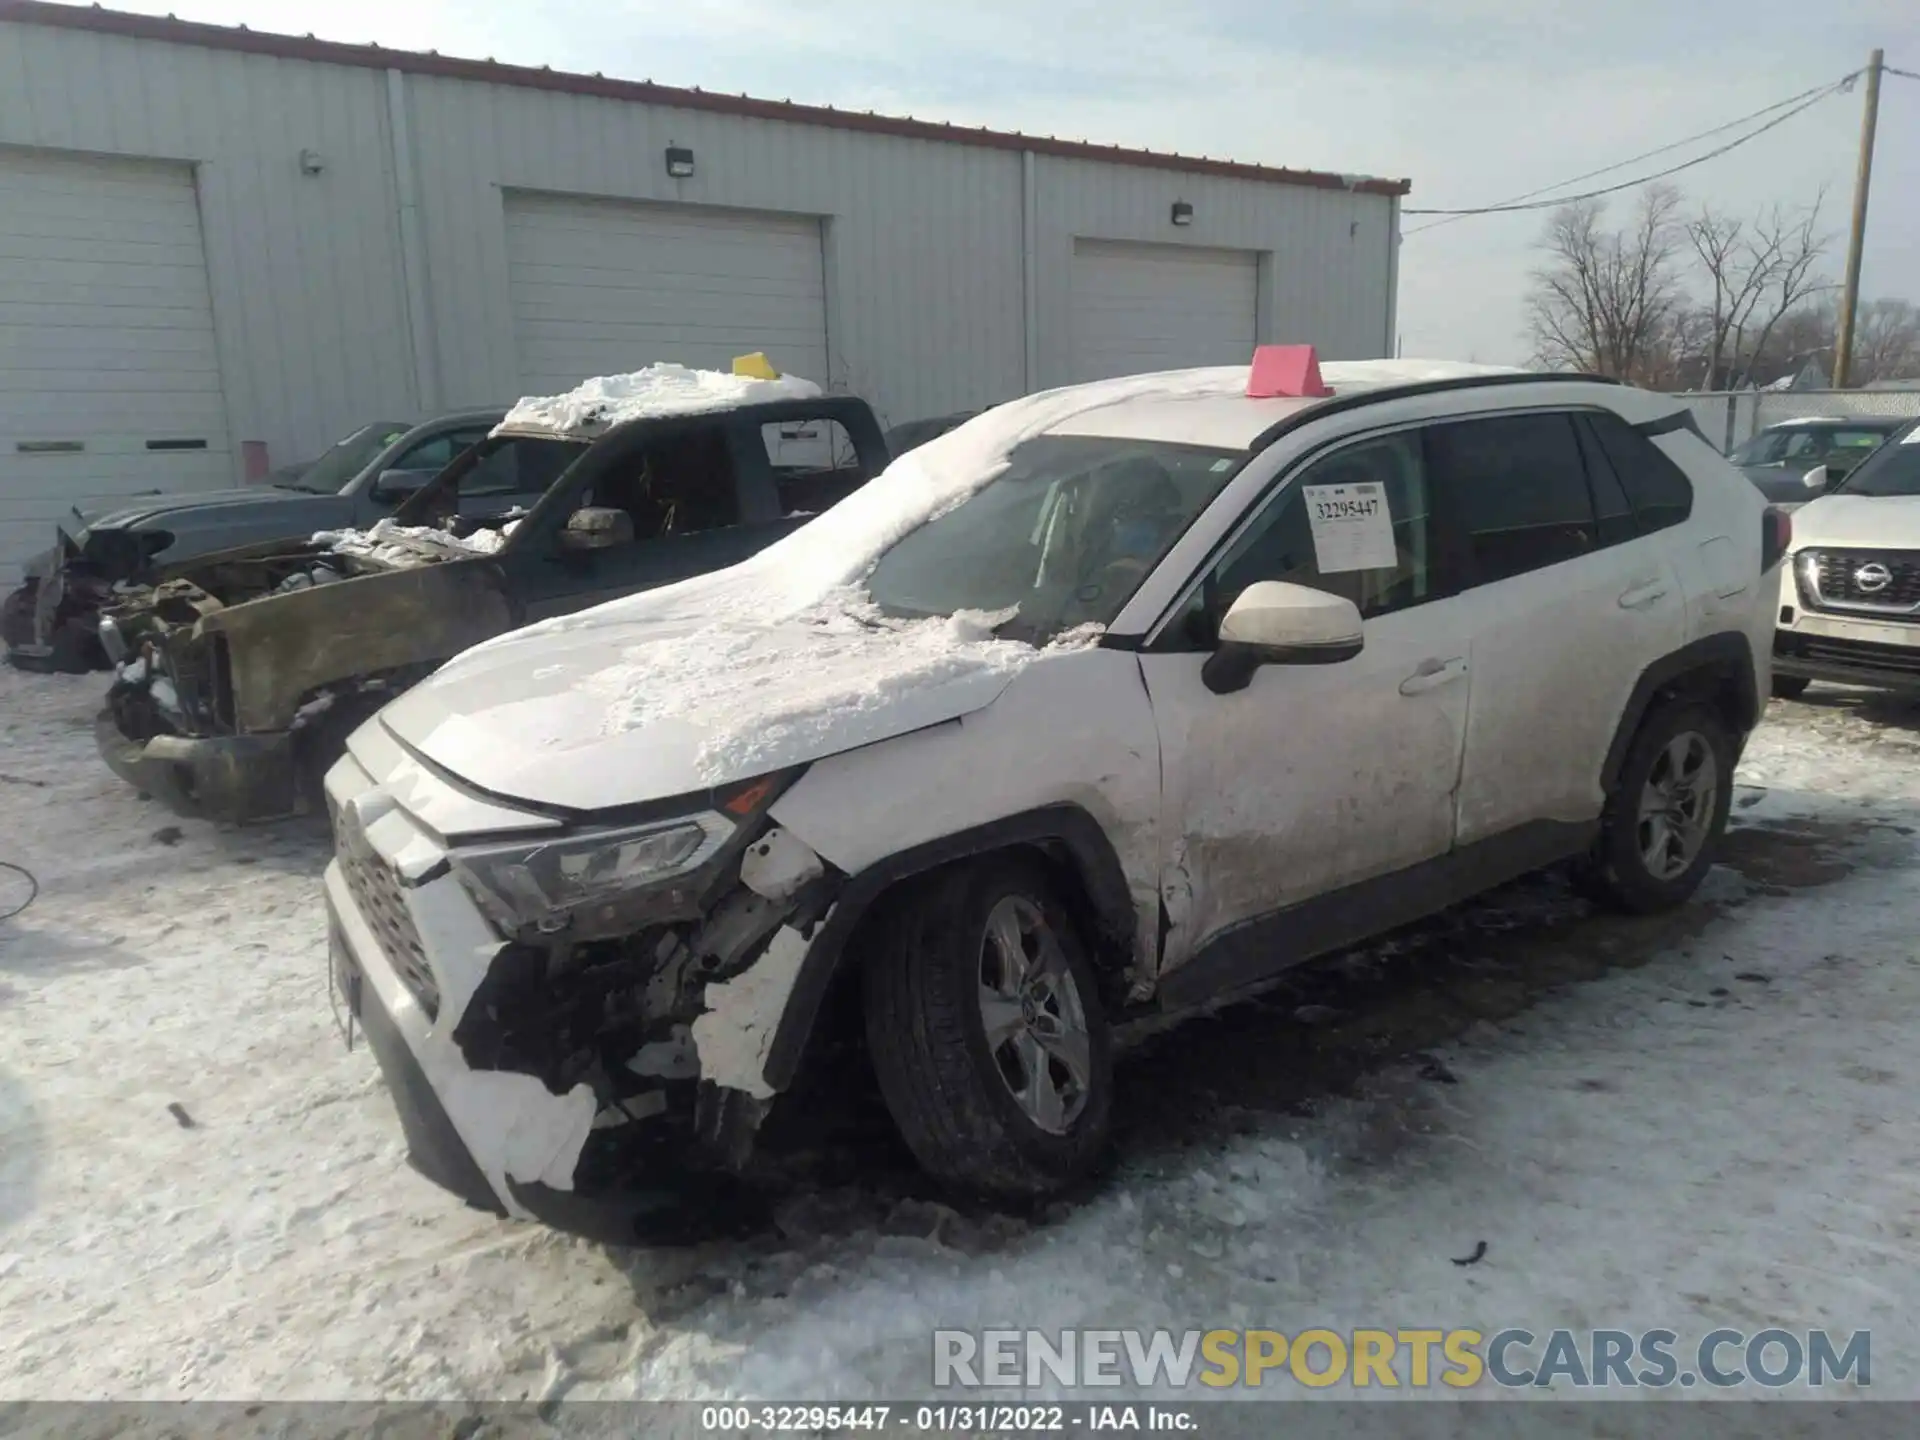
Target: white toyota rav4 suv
x=1113 y=701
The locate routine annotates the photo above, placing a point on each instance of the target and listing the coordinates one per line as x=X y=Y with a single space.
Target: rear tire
x=984 y=1023
x=1790 y=687
x=1666 y=814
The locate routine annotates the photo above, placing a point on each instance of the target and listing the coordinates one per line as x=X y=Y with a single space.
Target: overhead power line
x=1903 y=74
x=1806 y=99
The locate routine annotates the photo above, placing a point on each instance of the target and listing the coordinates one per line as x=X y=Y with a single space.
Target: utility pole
x=1850 y=291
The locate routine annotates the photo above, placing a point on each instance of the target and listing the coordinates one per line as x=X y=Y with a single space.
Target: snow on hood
x=1872 y=522
x=658 y=390
x=567 y=722
x=777 y=660
x=391 y=544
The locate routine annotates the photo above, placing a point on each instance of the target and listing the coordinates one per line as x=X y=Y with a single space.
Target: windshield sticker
x=1352 y=528
x=1912 y=437
x=1219 y=465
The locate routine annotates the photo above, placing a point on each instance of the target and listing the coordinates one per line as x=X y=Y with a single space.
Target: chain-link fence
x=1728 y=417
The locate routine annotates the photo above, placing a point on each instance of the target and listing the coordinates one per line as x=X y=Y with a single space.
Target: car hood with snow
x=626 y=711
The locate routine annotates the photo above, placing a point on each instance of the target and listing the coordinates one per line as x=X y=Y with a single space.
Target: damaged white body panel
x=743 y=1014
x=512 y=1125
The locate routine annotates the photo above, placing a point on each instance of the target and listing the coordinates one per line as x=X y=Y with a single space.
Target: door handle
x=1646 y=593
x=1432 y=674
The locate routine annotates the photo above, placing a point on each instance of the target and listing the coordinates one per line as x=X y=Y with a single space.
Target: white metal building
x=221 y=249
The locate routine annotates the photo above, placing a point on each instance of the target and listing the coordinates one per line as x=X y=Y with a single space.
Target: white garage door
x=1160 y=307
x=601 y=288
x=109 y=380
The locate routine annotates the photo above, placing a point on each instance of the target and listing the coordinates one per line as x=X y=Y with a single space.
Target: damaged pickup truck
x=51 y=621
x=239 y=675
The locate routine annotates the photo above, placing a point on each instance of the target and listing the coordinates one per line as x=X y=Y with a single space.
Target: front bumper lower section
x=489 y=1112
x=232 y=778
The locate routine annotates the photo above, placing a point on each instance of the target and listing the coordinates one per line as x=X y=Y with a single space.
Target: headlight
x=586 y=884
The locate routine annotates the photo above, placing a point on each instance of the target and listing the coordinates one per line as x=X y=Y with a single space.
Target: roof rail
x=1353 y=400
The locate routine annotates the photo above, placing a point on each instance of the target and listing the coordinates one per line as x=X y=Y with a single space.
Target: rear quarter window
x=1659 y=490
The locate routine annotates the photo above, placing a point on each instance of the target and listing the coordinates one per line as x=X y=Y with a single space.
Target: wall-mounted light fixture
x=679 y=162
x=312 y=162
x=1182 y=213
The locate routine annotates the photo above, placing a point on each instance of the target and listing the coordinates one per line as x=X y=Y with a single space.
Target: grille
x=1838 y=574
x=382 y=902
x=1862 y=654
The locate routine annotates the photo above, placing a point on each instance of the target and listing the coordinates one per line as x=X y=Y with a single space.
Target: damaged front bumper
x=232 y=778
x=585 y=1093
x=47 y=622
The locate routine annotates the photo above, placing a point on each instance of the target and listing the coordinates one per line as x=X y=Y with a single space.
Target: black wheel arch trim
x=1727 y=650
x=1063 y=826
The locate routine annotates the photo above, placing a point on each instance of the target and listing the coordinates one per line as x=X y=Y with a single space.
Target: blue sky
x=1474 y=100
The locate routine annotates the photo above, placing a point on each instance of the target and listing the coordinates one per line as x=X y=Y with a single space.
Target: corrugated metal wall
x=304 y=270
x=927 y=270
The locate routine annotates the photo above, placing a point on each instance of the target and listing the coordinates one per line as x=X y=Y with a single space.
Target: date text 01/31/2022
x=942 y=1419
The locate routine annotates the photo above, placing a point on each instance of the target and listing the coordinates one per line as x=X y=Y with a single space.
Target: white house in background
x=220 y=249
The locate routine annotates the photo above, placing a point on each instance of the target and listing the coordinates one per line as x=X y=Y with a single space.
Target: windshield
x=345 y=459
x=1844 y=445
x=1062 y=538
x=1763 y=449
x=501 y=476
x=1893 y=469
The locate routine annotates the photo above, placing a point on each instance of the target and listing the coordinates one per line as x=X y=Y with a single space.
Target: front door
x=1314 y=777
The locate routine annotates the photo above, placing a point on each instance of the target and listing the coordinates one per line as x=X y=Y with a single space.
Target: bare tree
x=1756 y=272
x=1604 y=298
x=1886 y=341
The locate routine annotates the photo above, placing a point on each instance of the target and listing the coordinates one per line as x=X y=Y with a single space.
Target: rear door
x=1566 y=601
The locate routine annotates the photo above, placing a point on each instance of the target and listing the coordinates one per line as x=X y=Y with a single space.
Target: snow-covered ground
x=1692 y=1121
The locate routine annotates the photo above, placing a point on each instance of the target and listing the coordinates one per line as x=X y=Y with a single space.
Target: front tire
x=1667 y=812
x=984 y=1023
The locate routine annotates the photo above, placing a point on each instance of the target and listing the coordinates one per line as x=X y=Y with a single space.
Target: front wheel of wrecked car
x=984 y=1022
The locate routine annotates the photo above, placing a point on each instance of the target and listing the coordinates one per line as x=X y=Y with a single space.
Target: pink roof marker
x=1285 y=370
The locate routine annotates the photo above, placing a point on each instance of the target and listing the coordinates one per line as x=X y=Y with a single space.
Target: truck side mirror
x=393 y=486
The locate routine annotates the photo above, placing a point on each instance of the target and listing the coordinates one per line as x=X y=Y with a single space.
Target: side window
x=434 y=454
x=814 y=463
x=1517 y=489
x=1610 y=504
x=495 y=475
x=1659 y=489
x=1286 y=543
x=678 y=485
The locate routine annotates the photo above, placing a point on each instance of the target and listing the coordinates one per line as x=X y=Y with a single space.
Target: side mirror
x=1818 y=479
x=597 y=528
x=1277 y=623
x=393 y=486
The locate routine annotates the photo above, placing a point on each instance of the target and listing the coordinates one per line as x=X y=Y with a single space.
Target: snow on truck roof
x=596 y=406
